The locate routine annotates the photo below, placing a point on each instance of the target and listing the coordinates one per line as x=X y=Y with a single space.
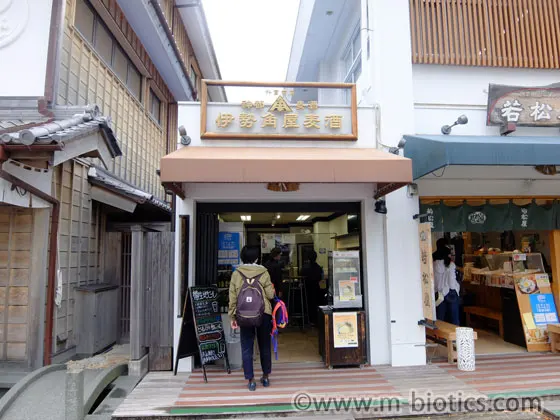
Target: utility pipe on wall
x=53 y=251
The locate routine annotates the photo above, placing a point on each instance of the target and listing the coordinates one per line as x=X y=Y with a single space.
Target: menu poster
x=537 y=308
x=202 y=324
x=345 y=329
x=228 y=248
x=544 y=309
x=427 y=271
x=347 y=290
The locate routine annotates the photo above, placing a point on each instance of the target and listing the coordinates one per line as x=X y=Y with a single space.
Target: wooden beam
x=555 y=264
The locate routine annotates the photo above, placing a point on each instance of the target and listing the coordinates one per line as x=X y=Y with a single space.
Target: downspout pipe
x=53 y=252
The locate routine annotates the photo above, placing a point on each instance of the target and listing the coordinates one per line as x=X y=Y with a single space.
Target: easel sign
x=537 y=308
x=202 y=331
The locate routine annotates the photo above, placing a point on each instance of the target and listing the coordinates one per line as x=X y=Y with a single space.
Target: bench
x=485 y=313
x=554 y=335
x=445 y=334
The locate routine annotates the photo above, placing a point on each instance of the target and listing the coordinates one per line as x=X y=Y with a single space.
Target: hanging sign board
x=202 y=331
x=524 y=106
x=427 y=271
x=281 y=111
x=537 y=308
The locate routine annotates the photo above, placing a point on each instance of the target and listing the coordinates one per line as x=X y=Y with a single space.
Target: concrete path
x=41 y=395
x=43 y=399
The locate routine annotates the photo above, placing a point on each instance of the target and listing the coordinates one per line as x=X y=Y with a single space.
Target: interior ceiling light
x=246 y=218
x=352 y=216
x=278 y=216
x=303 y=217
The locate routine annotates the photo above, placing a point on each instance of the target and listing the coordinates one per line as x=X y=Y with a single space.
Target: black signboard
x=202 y=332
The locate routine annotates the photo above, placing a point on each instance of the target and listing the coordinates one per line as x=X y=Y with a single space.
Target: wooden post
x=38 y=287
x=137 y=295
x=555 y=264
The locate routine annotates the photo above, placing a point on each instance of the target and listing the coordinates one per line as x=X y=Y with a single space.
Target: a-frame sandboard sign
x=202 y=331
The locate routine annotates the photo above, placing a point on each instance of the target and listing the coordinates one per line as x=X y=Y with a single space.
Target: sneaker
x=265 y=381
x=252 y=385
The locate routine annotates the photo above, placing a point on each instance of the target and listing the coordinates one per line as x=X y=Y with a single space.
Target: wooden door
x=159 y=254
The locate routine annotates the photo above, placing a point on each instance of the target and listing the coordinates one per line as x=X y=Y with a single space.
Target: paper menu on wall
x=529 y=322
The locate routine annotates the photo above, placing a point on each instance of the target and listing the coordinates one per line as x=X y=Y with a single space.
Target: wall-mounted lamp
x=462 y=120
x=185 y=140
x=380 y=206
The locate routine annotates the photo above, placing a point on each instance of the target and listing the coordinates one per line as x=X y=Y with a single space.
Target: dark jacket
x=275 y=270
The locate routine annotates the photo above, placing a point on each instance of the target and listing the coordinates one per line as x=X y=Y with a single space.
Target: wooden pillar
x=137 y=295
x=555 y=264
x=38 y=286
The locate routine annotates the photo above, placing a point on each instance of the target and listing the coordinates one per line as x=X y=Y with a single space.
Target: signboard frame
x=523 y=106
x=205 y=134
x=189 y=332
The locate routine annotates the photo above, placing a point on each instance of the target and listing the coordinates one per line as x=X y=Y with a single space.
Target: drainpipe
x=53 y=251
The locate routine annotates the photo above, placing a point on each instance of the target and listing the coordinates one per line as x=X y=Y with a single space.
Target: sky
x=252 y=40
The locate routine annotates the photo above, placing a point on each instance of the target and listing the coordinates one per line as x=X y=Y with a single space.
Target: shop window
x=84 y=20
x=90 y=25
x=155 y=106
x=352 y=57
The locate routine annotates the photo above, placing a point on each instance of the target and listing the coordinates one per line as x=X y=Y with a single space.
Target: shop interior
x=305 y=239
x=498 y=271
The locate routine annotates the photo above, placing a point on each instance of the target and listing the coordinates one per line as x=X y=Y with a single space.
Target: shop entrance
x=294 y=242
x=502 y=253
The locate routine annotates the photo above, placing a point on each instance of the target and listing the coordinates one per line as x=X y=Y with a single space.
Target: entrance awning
x=268 y=164
x=430 y=153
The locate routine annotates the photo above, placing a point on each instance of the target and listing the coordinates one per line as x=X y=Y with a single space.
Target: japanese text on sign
x=524 y=106
x=286 y=114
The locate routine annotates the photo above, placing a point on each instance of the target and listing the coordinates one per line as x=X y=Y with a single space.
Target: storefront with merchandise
x=290 y=168
x=495 y=201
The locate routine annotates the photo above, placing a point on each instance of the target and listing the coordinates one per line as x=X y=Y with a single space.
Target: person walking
x=445 y=283
x=275 y=267
x=250 y=293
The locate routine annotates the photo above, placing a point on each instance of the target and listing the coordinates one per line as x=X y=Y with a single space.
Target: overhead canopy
x=430 y=153
x=268 y=164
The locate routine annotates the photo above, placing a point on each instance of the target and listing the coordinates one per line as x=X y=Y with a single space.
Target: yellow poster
x=345 y=329
x=347 y=290
x=427 y=271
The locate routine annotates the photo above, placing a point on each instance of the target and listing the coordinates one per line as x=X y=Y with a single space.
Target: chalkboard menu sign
x=202 y=332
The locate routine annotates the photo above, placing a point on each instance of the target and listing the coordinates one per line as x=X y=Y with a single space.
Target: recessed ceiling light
x=303 y=217
x=278 y=216
x=246 y=218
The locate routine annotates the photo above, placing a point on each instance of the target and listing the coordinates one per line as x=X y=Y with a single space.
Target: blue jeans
x=247 y=336
x=450 y=308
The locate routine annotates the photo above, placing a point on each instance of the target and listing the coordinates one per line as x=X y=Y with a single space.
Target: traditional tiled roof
x=34 y=131
x=103 y=178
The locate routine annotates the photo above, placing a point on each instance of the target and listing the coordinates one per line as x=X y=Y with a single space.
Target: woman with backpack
x=250 y=293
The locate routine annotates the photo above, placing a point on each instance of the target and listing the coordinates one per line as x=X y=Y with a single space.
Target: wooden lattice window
x=498 y=33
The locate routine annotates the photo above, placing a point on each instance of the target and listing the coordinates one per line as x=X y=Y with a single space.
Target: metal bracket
x=507 y=128
x=428 y=324
x=419 y=216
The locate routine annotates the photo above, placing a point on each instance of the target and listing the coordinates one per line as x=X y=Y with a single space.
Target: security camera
x=185 y=140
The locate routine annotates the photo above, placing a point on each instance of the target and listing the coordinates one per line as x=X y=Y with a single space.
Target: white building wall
x=372 y=225
x=442 y=93
x=24 y=42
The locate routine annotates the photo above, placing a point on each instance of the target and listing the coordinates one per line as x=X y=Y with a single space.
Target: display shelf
x=344 y=286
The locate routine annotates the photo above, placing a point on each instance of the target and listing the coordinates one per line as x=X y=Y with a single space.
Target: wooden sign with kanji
x=524 y=106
